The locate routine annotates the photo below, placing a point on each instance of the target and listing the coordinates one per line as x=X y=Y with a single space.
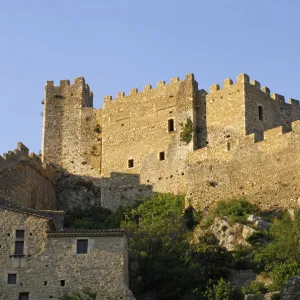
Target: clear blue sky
x=122 y=44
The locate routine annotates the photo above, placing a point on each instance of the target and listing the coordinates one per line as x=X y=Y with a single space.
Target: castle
x=238 y=140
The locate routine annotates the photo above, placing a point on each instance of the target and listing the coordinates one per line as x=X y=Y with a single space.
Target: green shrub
x=93 y=217
x=222 y=290
x=236 y=210
x=284 y=245
x=192 y=217
x=254 y=287
x=187 y=131
x=282 y=272
x=258 y=238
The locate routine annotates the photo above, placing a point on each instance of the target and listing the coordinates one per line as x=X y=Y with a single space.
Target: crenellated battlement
x=274 y=138
x=244 y=79
x=79 y=82
x=21 y=155
x=147 y=88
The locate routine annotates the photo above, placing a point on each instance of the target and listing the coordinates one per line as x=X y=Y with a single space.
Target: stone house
x=39 y=260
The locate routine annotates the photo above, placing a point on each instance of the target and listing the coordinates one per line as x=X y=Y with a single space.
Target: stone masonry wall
x=265 y=172
x=71 y=129
x=50 y=258
x=96 y=146
x=276 y=112
x=225 y=111
x=135 y=127
x=26 y=181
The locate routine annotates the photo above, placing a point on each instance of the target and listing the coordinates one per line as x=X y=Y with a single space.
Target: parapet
x=245 y=79
x=79 y=82
x=21 y=155
x=228 y=82
x=147 y=88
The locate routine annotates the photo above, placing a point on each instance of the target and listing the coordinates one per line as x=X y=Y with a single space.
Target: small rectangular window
x=19 y=248
x=171 y=125
x=82 y=246
x=161 y=155
x=24 y=296
x=12 y=278
x=62 y=282
x=20 y=234
x=130 y=163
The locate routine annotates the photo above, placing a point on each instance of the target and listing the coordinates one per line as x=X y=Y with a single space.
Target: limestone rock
x=231 y=235
x=259 y=222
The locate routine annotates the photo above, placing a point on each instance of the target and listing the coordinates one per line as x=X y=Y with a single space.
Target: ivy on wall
x=186 y=133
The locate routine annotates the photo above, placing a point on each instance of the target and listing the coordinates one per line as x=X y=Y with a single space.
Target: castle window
x=130 y=163
x=162 y=155
x=260 y=113
x=171 y=125
x=19 y=248
x=12 y=279
x=82 y=246
x=24 y=296
x=63 y=283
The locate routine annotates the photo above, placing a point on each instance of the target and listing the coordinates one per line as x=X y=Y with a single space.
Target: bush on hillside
x=284 y=246
x=254 y=287
x=282 y=272
x=222 y=290
x=236 y=210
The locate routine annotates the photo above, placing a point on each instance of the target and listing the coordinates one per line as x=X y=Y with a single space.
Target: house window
x=24 y=296
x=19 y=248
x=130 y=163
x=19 y=242
x=82 y=246
x=12 y=279
x=260 y=113
x=20 y=234
x=171 y=125
x=161 y=155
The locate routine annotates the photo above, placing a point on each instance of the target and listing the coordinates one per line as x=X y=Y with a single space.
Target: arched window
x=260 y=113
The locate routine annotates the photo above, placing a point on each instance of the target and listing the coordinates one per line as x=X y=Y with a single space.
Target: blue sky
x=122 y=44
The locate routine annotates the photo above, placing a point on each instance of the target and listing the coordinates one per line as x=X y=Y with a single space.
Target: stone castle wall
x=51 y=257
x=266 y=172
x=93 y=149
x=136 y=127
x=26 y=181
x=71 y=129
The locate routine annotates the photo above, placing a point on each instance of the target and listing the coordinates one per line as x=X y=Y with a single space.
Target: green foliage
x=254 y=287
x=192 y=217
x=159 y=240
x=284 y=246
x=258 y=238
x=84 y=294
x=222 y=290
x=187 y=131
x=236 y=210
x=282 y=272
x=243 y=258
x=93 y=217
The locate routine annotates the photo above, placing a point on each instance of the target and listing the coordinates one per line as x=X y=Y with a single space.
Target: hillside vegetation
x=167 y=263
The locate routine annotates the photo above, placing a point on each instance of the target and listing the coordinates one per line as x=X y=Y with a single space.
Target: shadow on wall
x=120 y=189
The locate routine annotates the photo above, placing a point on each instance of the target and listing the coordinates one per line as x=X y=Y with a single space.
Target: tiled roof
x=86 y=232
